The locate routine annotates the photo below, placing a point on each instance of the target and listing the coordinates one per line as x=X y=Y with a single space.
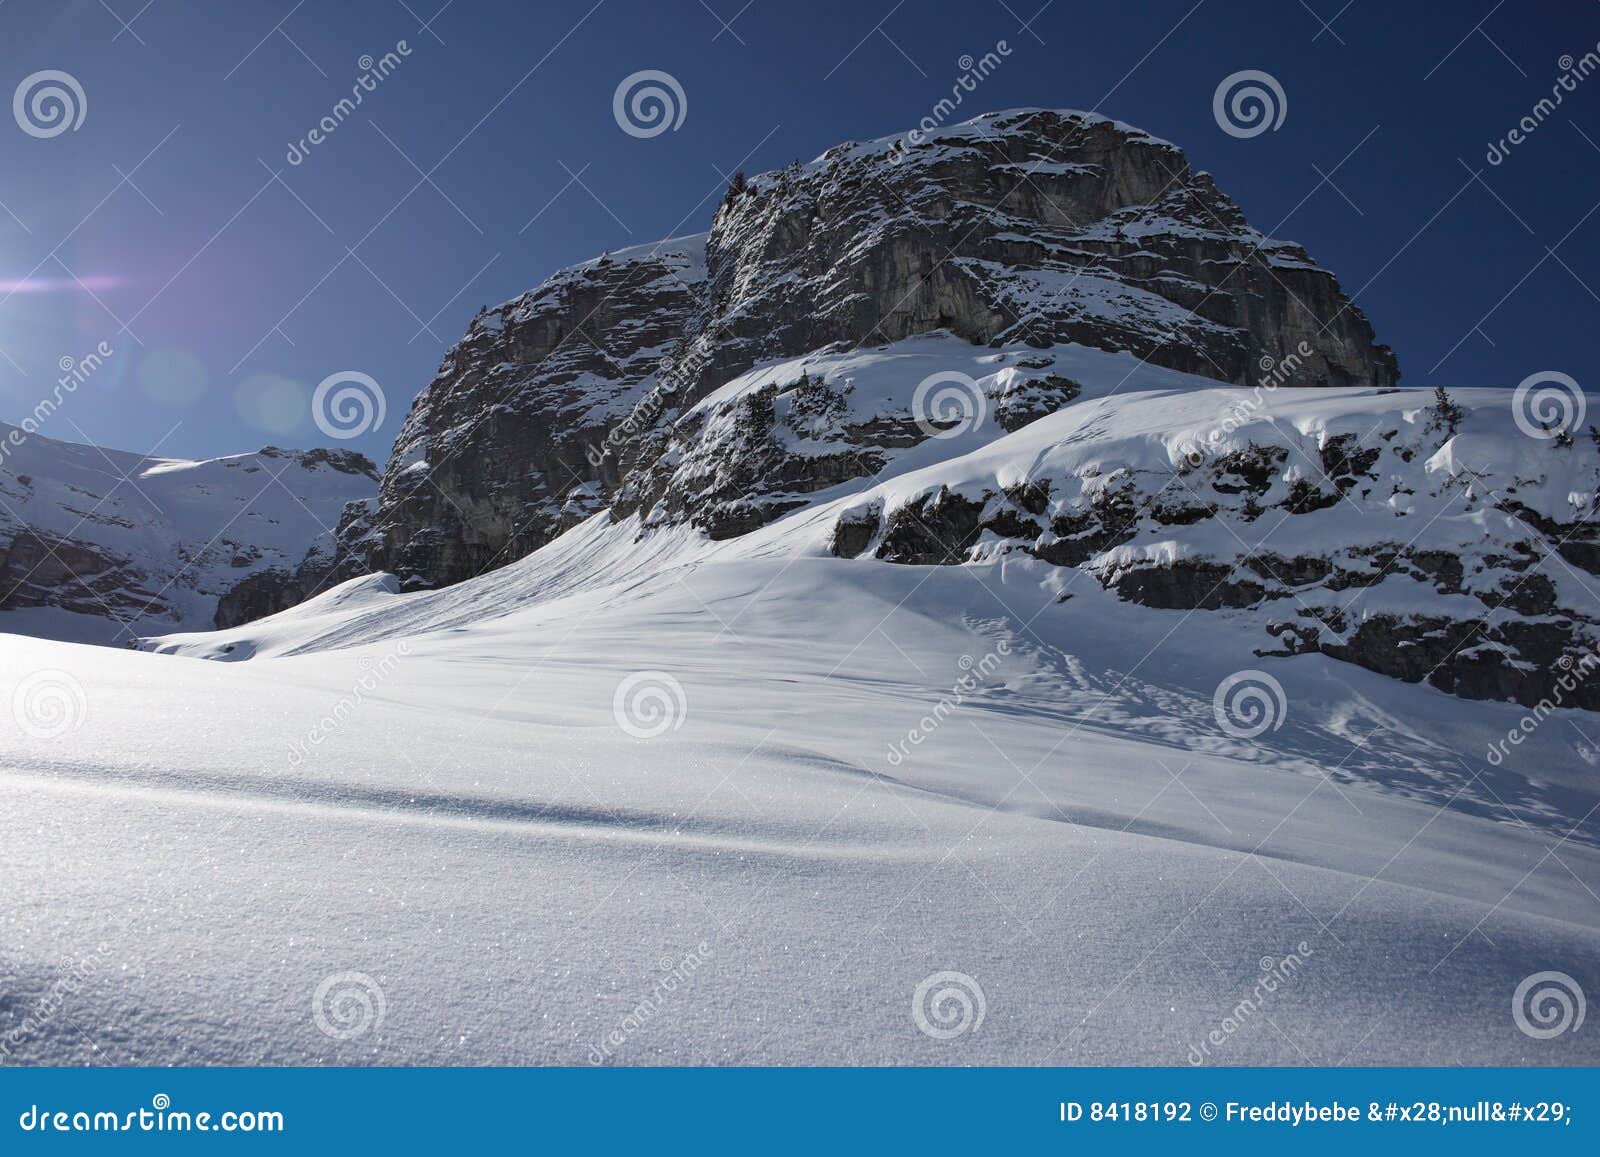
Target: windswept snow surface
x=664 y=801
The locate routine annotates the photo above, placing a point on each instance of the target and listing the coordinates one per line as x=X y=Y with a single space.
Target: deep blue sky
x=236 y=302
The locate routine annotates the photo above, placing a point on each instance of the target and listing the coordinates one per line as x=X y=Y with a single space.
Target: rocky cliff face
x=1035 y=227
x=1031 y=227
x=328 y=561
x=503 y=451
x=101 y=545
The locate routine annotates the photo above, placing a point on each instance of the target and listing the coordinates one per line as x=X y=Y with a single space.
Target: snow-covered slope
x=102 y=545
x=518 y=803
x=681 y=801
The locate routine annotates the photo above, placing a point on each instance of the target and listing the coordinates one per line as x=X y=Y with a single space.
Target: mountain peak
x=1042 y=122
x=1030 y=226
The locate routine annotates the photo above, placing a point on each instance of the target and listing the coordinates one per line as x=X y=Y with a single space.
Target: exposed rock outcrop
x=331 y=560
x=1034 y=227
x=1359 y=526
x=506 y=448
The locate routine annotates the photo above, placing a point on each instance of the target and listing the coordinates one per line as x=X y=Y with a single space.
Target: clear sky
x=228 y=282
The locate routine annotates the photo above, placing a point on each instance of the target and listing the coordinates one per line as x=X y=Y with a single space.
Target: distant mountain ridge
x=101 y=545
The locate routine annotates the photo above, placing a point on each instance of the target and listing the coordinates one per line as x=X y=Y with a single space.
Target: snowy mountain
x=102 y=545
x=884 y=312
x=1021 y=228
x=789 y=645
x=1359 y=523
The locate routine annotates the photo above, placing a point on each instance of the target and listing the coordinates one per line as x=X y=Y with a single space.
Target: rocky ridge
x=1034 y=226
